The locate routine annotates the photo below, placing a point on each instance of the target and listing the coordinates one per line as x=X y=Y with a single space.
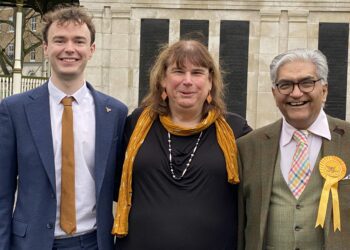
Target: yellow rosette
x=333 y=169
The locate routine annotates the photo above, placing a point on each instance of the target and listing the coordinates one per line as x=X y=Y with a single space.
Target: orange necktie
x=68 y=217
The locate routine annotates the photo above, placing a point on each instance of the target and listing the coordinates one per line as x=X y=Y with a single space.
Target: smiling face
x=187 y=88
x=68 y=49
x=300 y=109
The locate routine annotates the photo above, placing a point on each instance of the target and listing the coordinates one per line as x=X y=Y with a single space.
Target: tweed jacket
x=257 y=159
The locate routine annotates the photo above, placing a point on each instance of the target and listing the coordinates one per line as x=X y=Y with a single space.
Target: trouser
x=86 y=241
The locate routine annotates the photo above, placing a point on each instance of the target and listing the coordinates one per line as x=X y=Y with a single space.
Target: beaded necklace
x=189 y=160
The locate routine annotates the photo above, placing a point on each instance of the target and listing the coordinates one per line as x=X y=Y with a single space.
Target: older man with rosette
x=285 y=166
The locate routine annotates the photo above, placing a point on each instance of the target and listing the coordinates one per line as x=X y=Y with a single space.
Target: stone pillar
x=297 y=30
x=284 y=30
x=214 y=38
x=253 y=72
x=174 y=30
x=133 y=87
x=108 y=69
x=106 y=35
x=266 y=110
x=17 y=69
x=119 y=57
x=45 y=68
x=93 y=72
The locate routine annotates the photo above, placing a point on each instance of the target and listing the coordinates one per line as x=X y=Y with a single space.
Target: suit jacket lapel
x=269 y=150
x=38 y=116
x=105 y=123
x=332 y=147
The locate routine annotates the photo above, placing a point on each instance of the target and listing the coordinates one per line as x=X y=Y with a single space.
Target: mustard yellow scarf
x=225 y=137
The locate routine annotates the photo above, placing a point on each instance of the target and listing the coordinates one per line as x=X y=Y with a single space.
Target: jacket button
x=297 y=228
x=298 y=207
x=49 y=225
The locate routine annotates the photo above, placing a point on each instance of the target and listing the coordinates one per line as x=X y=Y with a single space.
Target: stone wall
x=274 y=26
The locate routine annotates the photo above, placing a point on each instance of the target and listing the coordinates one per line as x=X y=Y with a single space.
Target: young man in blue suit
x=33 y=156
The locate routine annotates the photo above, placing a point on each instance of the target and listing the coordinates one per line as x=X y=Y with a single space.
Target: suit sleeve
x=8 y=174
x=241 y=209
x=129 y=126
x=238 y=124
x=120 y=150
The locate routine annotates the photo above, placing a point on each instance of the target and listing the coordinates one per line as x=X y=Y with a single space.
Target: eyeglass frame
x=297 y=83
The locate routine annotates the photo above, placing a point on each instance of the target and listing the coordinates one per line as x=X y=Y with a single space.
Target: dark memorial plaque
x=154 y=34
x=234 y=45
x=333 y=42
x=195 y=29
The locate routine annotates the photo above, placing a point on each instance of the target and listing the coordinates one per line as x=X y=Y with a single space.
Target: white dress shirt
x=317 y=130
x=84 y=152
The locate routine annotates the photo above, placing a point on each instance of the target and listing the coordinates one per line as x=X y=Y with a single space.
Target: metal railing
x=6 y=86
x=31 y=82
x=27 y=83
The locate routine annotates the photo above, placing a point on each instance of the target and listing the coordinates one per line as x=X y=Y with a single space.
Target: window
x=11 y=51
x=33 y=24
x=31 y=73
x=32 y=55
x=11 y=27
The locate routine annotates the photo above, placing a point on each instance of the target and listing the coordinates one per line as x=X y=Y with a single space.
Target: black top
x=197 y=212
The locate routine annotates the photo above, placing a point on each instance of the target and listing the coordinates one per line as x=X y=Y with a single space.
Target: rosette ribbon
x=332 y=169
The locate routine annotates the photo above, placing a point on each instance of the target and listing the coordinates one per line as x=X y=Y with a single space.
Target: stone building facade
x=273 y=27
x=242 y=35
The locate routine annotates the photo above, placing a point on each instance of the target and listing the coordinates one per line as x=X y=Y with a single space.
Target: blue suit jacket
x=27 y=165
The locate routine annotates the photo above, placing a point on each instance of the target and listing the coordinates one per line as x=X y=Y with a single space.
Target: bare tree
x=30 y=39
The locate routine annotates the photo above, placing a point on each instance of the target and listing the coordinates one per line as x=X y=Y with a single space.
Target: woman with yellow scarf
x=178 y=184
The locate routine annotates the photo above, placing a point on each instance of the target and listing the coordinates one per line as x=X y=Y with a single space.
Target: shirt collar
x=57 y=95
x=319 y=127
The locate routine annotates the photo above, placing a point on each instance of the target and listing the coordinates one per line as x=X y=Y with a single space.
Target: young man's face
x=68 y=49
x=300 y=109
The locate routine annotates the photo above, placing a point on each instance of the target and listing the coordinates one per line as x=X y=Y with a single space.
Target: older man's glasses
x=287 y=87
